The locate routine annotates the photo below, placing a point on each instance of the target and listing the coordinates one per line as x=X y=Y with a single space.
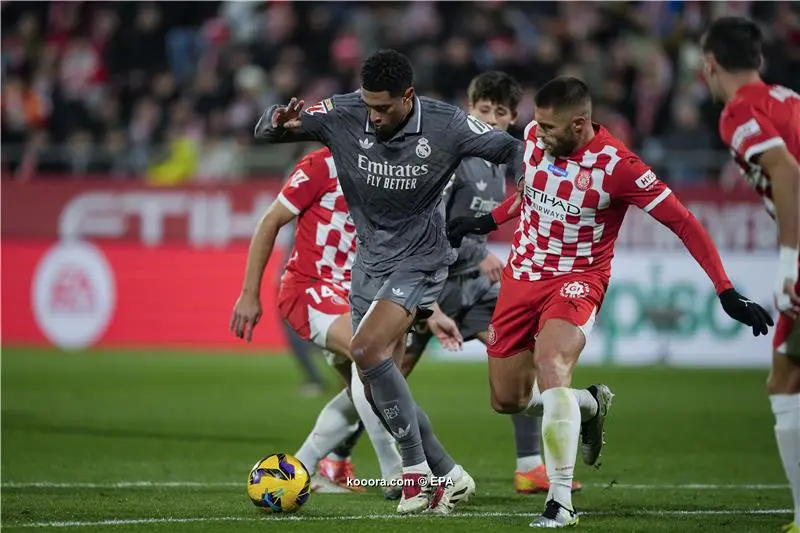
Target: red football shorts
x=310 y=305
x=523 y=307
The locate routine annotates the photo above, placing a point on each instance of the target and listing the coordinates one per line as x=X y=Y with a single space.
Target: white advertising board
x=645 y=284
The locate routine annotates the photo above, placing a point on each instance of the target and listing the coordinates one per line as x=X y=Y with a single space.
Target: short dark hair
x=562 y=92
x=387 y=70
x=497 y=87
x=735 y=43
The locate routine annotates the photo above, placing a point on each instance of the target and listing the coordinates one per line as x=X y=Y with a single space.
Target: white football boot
x=446 y=497
x=555 y=516
x=415 y=498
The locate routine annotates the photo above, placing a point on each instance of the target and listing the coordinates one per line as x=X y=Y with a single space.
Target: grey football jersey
x=477 y=187
x=393 y=187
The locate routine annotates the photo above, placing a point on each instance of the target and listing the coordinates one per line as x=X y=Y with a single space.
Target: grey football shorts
x=411 y=290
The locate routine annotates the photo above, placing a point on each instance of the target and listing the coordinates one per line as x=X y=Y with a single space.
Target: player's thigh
x=480 y=302
x=567 y=320
x=784 y=377
x=381 y=332
x=450 y=300
x=509 y=341
x=514 y=320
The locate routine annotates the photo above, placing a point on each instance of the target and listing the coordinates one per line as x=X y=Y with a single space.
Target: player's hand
x=746 y=311
x=492 y=267
x=288 y=116
x=445 y=330
x=458 y=227
x=786 y=299
x=246 y=314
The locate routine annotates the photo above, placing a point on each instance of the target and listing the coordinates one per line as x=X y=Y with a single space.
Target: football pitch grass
x=123 y=441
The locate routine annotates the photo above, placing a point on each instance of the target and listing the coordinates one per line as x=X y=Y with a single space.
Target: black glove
x=745 y=311
x=458 y=227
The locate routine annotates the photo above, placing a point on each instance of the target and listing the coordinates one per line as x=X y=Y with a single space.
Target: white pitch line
x=311 y=518
x=219 y=484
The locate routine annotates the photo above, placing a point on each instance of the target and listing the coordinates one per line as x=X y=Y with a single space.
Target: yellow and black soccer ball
x=279 y=483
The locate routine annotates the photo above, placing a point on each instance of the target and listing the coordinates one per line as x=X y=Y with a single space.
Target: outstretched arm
x=291 y=123
x=636 y=184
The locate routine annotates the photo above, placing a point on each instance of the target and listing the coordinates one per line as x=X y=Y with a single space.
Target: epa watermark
x=424 y=481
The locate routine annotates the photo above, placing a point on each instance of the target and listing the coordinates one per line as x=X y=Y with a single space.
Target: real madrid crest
x=423 y=148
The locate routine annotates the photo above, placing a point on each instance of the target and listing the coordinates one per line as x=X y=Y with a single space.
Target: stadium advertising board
x=661 y=308
x=102 y=263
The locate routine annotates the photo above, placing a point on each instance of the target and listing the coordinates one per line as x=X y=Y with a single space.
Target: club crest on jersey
x=574 y=289
x=560 y=172
x=491 y=336
x=583 y=181
x=423 y=148
x=318 y=108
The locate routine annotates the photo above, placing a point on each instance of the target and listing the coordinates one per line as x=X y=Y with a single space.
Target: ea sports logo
x=491 y=336
x=73 y=295
x=574 y=289
x=423 y=148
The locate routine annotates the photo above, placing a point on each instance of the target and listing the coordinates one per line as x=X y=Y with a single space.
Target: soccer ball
x=279 y=483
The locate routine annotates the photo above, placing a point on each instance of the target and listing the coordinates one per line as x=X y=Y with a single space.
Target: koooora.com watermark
x=424 y=481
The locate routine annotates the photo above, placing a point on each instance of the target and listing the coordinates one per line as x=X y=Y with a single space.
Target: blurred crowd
x=170 y=91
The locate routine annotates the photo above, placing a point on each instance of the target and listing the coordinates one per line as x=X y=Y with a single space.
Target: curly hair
x=387 y=70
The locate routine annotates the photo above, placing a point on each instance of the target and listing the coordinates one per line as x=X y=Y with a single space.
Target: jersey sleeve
x=638 y=185
x=748 y=131
x=306 y=183
x=473 y=137
x=316 y=125
x=635 y=183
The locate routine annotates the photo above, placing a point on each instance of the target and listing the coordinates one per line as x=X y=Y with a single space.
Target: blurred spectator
x=171 y=90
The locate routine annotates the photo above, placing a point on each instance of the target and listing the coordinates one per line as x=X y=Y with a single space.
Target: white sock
x=528 y=463
x=382 y=441
x=335 y=422
x=336 y=457
x=455 y=473
x=561 y=425
x=786 y=408
x=586 y=403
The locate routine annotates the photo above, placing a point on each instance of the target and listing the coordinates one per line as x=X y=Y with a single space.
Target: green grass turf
x=106 y=417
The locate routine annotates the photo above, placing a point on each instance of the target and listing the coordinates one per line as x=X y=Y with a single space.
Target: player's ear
x=579 y=123
x=408 y=94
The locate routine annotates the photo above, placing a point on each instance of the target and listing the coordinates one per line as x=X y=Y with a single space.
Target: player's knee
x=553 y=368
x=506 y=402
x=362 y=352
x=785 y=380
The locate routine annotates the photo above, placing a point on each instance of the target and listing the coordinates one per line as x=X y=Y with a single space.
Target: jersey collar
x=412 y=127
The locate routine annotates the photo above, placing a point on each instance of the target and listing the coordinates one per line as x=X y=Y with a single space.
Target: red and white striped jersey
x=757 y=118
x=572 y=208
x=325 y=237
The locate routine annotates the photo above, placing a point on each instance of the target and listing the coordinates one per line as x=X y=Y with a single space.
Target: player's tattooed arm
x=291 y=123
x=784 y=173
